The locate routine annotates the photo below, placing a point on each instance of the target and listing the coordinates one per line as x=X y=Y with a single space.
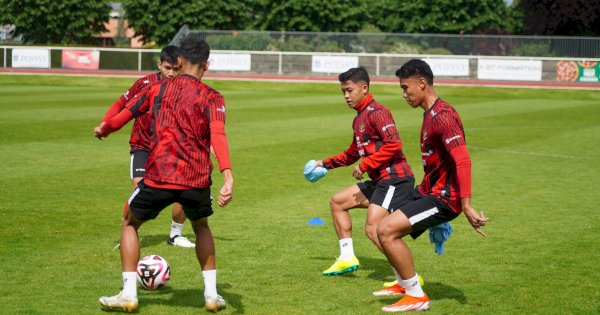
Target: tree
x=442 y=16
x=158 y=21
x=309 y=15
x=560 y=17
x=56 y=22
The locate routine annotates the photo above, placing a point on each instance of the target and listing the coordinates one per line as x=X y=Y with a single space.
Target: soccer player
x=444 y=193
x=188 y=118
x=140 y=135
x=377 y=143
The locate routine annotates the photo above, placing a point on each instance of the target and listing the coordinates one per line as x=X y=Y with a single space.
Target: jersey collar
x=364 y=102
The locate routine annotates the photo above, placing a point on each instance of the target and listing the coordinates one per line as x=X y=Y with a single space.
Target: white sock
x=176 y=229
x=210 y=282
x=412 y=286
x=130 y=284
x=346 y=248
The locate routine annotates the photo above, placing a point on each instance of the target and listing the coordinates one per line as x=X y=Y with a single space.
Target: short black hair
x=415 y=67
x=194 y=49
x=169 y=54
x=355 y=75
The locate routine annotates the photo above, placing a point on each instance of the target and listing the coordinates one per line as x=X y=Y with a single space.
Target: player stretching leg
x=445 y=191
x=376 y=141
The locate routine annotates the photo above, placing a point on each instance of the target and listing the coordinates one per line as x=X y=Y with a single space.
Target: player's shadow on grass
x=379 y=269
x=151 y=240
x=193 y=298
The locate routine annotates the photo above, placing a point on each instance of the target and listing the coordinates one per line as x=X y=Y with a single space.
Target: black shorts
x=426 y=211
x=147 y=202
x=137 y=166
x=390 y=194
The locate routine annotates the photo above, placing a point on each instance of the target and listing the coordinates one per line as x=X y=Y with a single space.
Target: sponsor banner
x=81 y=59
x=333 y=64
x=582 y=71
x=230 y=62
x=30 y=58
x=449 y=67
x=506 y=69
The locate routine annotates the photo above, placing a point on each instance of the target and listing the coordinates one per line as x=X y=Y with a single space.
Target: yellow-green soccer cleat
x=392 y=283
x=342 y=266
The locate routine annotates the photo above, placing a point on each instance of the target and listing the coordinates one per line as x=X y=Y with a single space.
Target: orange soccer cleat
x=408 y=303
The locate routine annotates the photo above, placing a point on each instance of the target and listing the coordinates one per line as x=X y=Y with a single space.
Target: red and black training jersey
x=441 y=132
x=376 y=141
x=183 y=109
x=140 y=132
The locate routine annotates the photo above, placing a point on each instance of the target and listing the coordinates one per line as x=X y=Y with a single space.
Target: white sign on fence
x=333 y=64
x=30 y=58
x=230 y=62
x=506 y=69
x=449 y=67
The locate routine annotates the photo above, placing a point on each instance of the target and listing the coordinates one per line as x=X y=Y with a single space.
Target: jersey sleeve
x=383 y=123
x=461 y=158
x=218 y=137
x=345 y=158
x=449 y=128
x=139 y=104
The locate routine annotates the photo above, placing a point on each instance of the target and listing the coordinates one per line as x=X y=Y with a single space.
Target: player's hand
x=358 y=174
x=319 y=164
x=477 y=221
x=98 y=132
x=226 y=192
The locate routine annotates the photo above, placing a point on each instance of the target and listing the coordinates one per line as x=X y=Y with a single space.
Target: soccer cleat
x=214 y=303
x=119 y=303
x=395 y=289
x=342 y=266
x=181 y=241
x=408 y=303
x=391 y=283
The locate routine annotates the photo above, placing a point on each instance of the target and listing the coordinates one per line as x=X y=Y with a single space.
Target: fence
x=395 y=43
x=319 y=64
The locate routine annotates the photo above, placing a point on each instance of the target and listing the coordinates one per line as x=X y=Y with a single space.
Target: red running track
x=307 y=78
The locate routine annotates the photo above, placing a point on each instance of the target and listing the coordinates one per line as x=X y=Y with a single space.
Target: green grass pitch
x=535 y=153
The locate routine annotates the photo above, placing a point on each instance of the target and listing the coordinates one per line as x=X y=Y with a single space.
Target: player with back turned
x=188 y=118
x=443 y=194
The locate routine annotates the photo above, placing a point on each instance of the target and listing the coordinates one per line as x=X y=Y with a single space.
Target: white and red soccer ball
x=153 y=272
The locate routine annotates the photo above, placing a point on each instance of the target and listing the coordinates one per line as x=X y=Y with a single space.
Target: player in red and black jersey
x=443 y=194
x=140 y=134
x=377 y=144
x=188 y=119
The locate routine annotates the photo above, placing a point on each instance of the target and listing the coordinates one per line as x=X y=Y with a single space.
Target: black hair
x=169 y=54
x=194 y=49
x=415 y=67
x=355 y=75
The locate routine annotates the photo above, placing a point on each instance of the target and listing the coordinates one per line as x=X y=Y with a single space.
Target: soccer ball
x=153 y=272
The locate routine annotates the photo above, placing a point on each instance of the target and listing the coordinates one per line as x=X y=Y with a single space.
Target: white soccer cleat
x=214 y=303
x=119 y=302
x=180 y=241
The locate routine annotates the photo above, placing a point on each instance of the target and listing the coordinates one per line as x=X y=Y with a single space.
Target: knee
x=371 y=232
x=336 y=201
x=385 y=233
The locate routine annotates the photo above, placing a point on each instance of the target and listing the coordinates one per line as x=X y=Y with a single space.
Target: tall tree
x=560 y=17
x=56 y=22
x=309 y=15
x=158 y=21
x=442 y=16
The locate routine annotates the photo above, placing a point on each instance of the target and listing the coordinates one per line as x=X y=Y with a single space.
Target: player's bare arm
x=226 y=192
x=477 y=221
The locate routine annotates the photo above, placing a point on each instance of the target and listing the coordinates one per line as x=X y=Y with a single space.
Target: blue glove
x=312 y=173
x=438 y=235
